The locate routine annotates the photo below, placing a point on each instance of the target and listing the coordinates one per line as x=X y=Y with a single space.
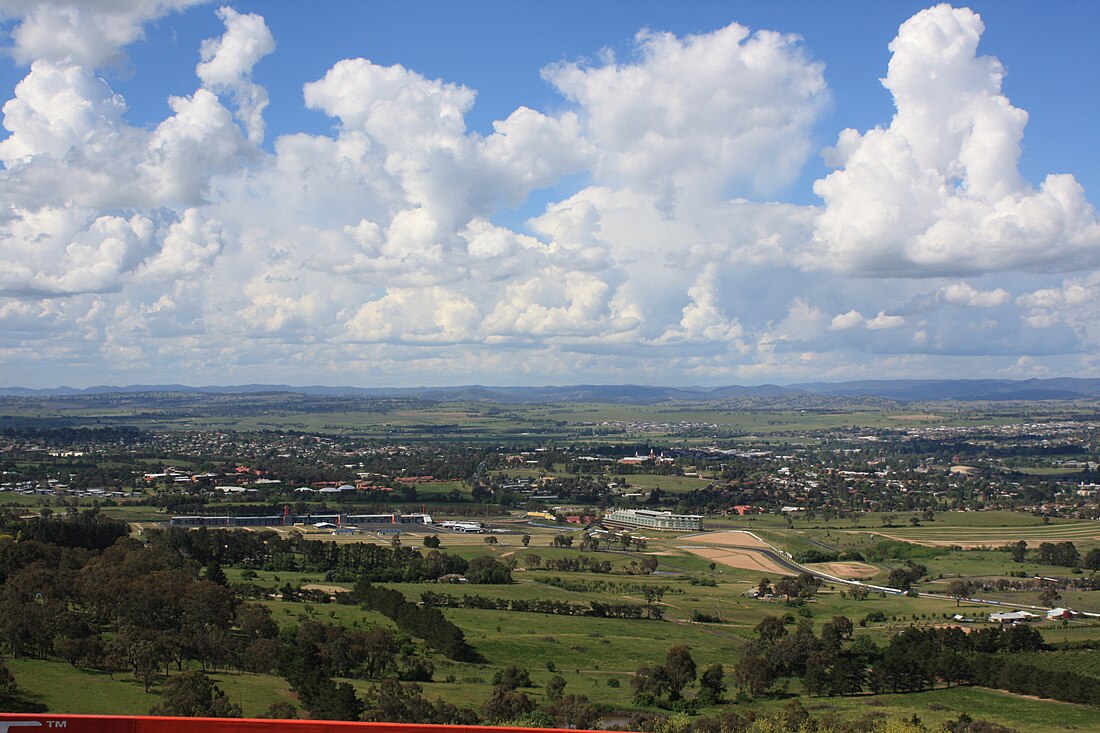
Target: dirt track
x=745 y=559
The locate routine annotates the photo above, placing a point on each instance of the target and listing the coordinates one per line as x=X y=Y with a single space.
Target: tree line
x=595 y=609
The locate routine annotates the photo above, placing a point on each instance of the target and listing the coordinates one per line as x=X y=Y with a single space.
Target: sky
x=426 y=193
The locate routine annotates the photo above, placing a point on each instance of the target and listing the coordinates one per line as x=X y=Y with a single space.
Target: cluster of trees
x=346 y=562
x=827 y=556
x=88 y=529
x=595 y=609
x=1018 y=675
x=423 y=622
x=795 y=588
x=834 y=663
x=602 y=586
x=903 y=578
x=126 y=608
x=1062 y=554
x=579 y=564
x=663 y=684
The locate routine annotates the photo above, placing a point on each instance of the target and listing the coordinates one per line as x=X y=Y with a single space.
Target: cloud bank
x=197 y=250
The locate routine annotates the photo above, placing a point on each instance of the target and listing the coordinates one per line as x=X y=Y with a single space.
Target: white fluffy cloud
x=387 y=249
x=691 y=114
x=853 y=319
x=90 y=33
x=938 y=191
x=961 y=293
x=227 y=66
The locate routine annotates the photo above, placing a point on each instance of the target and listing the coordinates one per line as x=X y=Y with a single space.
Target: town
x=752 y=538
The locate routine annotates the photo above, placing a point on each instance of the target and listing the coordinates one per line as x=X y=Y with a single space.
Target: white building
x=655 y=520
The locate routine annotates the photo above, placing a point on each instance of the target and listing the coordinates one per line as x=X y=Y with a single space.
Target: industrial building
x=288 y=520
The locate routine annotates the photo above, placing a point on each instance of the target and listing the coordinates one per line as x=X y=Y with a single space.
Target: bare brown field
x=847 y=570
x=730 y=538
x=325 y=588
x=741 y=559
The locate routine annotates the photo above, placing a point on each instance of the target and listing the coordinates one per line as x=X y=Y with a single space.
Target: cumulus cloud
x=961 y=293
x=424 y=315
x=854 y=319
x=703 y=318
x=387 y=247
x=90 y=33
x=227 y=63
x=1075 y=302
x=56 y=251
x=56 y=108
x=691 y=115
x=938 y=191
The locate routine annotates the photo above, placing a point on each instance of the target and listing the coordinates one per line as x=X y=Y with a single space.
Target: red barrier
x=62 y=723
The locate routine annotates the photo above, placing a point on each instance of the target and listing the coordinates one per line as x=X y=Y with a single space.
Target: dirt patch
x=731 y=538
x=847 y=570
x=741 y=559
x=325 y=588
x=971 y=545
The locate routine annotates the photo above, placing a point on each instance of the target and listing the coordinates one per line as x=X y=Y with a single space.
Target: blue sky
x=657 y=208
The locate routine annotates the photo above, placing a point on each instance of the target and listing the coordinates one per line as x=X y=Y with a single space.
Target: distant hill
x=911 y=390
x=820 y=394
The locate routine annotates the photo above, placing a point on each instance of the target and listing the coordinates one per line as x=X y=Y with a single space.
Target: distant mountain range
x=897 y=390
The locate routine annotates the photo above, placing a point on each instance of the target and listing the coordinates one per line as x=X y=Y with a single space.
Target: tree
x=280 y=711
x=899 y=578
x=834 y=632
x=754 y=675
x=379 y=650
x=574 y=711
x=490 y=540
x=525 y=540
x=680 y=668
x=262 y=656
x=555 y=687
x=8 y=686
x=1049 y=595
x=711 y=685
x=1019 y=551
x=215 y=574
x=770 y=630
x=648 y=564
x=255 y=622
x=194 y=695
x=959 y=589
x=504 y=705
x=335 y=702
x=787 y=587
x=432 y=541
x=650 y=683
x=512 y=677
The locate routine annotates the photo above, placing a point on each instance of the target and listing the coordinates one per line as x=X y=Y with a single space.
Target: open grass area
x=587 y=654
x=935 y=707
x=1086 y=533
